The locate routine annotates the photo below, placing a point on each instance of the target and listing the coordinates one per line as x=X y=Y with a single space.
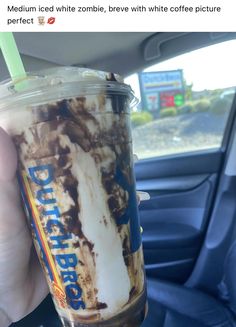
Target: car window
x=185 y=102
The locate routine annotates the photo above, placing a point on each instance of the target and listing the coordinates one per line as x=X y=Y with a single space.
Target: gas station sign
x=161 y=89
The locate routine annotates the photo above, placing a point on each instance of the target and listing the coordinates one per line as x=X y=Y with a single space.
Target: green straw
x=11 y=55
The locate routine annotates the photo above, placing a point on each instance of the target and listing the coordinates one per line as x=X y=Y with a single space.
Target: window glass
x=185 y=102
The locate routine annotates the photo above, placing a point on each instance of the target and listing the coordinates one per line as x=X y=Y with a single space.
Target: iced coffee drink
x=72 y=133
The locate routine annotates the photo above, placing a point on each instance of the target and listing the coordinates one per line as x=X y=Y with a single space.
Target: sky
x=211 y=68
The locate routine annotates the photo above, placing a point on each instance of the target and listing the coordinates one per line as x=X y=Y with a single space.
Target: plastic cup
x=71 y=129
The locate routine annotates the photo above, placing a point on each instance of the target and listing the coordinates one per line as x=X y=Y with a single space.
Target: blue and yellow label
x=61 y=267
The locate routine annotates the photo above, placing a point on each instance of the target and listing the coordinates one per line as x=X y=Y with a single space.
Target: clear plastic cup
x=71 y=129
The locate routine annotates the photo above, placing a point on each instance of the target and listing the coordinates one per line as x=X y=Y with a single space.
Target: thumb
x=10 y=201
x=8 y=157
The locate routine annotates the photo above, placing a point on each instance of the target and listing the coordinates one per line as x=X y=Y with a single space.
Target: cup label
x=65 y=283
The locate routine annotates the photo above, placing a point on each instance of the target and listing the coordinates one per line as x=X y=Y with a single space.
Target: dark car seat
x=172 y=305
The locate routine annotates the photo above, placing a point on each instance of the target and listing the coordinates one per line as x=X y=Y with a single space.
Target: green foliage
x=168 y=112
x=140 y=118
x=220 y=106
x=215 y=93
x=202 y=105
x=213 y=99
x=188 y=91
x=186 y=108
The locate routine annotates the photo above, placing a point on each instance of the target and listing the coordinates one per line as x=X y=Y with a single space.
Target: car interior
x=189 y=223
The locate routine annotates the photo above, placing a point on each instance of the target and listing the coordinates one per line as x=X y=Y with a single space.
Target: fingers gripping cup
x=72 y=133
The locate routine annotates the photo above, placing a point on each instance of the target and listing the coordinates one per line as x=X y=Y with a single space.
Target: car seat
x=172 y=305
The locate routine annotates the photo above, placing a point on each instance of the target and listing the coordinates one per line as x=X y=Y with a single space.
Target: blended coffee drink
x=72 y=132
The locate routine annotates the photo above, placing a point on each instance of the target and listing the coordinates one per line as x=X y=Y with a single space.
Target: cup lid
x=60 y=82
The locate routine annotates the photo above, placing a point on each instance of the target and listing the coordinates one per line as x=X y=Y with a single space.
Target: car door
x=180 y=134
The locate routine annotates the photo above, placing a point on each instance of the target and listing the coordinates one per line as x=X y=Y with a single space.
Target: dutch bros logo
x=43 y=176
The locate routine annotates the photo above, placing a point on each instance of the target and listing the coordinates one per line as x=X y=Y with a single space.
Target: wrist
x=4 y=319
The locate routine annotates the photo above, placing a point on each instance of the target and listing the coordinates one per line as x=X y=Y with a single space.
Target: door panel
x=171 y=183
x=186 y=208
x=188 y=164
x=176 y=216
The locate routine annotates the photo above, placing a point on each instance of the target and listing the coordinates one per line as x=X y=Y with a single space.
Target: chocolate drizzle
x=132 y=293
x=19 y=139
x=111 y=77
x=89 y=245
x=101 y=305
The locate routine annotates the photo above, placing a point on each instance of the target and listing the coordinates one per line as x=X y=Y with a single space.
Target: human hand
x=22 y=283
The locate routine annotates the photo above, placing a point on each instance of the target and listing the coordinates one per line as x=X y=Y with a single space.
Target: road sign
x=161 y=89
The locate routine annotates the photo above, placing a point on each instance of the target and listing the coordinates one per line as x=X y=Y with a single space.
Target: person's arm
x=4 y=319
